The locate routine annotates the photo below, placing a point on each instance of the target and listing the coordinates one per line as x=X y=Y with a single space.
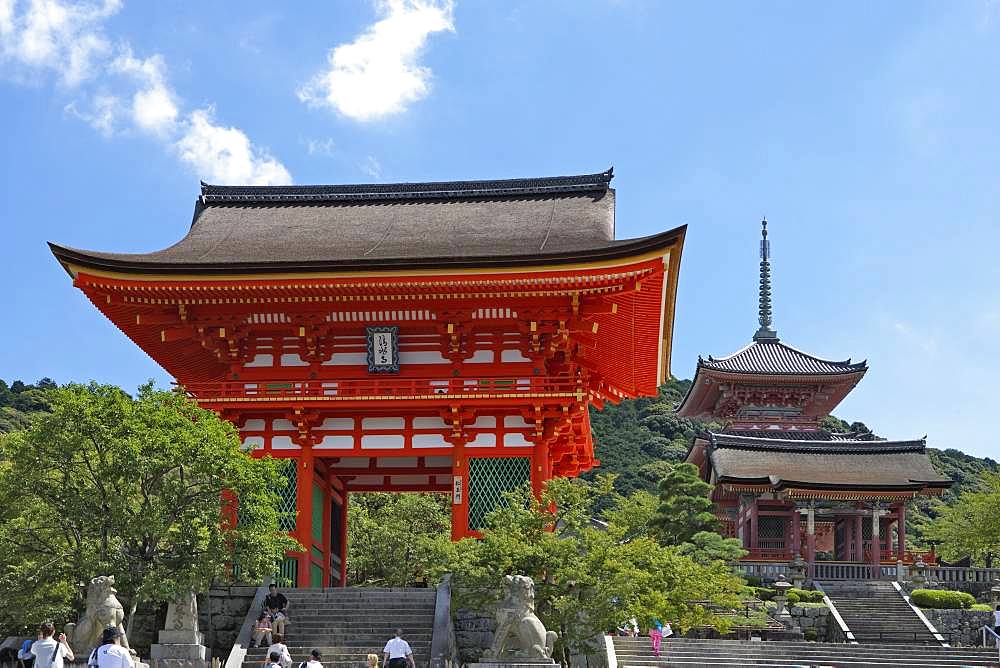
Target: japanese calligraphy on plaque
x=383 y=349
x=456 y=490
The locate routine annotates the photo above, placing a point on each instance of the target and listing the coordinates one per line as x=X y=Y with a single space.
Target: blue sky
x=865 y=132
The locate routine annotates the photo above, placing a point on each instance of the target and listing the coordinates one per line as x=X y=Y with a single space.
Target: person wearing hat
x=110 y=653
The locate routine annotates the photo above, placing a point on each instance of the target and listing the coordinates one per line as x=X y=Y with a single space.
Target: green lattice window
x=319 y=504
x=288 y=573
x=287 y=503
x=316 y=577
x=491 y=478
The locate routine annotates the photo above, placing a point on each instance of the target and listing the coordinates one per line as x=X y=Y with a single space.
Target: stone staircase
x=693 y=653
x=346 y=624
x=876 y=613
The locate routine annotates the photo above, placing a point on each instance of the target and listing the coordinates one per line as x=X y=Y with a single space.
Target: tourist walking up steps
x=397 y=652
x=314 y=660
x=50 y=651
x=278 y=646
x=656 y=636
x=373 y=661
x=996 y=620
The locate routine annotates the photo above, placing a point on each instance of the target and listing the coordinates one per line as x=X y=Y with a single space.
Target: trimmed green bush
x=934 y=598
x=810 y=635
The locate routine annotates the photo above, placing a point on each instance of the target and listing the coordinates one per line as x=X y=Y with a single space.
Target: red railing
x=382 y=387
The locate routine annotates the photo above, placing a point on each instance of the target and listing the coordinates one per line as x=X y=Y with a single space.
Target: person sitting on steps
x=261 y=631
x=277 y=604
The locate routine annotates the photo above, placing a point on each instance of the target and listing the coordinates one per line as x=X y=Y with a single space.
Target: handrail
x=444 y=648
x=239 y=651
x=930 y=627
x=841 y=624
x=996 y=638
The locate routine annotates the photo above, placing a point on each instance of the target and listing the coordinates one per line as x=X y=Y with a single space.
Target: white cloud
x=377 y=74
x=64 y=37
x=225 y=155
x=118 y=90
x=103 y=114
x=153 y=107
x=372 y=168
x=325 y=147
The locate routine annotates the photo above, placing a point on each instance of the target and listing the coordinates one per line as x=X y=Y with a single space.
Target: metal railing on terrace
x=848 y=570
x=383 y=387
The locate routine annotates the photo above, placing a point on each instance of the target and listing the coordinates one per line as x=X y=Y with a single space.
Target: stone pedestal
x=181 y=638
x=513 y=663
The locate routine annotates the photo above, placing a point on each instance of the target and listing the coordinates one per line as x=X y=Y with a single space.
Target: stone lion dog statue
x=520 y=634
x=103 y=610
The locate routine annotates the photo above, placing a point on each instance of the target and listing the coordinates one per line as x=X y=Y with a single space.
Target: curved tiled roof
x=771 y=357
x=830 y=464
x=737 y=442
x=513 y=222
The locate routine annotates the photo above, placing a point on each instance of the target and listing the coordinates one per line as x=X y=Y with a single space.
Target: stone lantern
x=995 y=592
x=918 y=573
x=781 y=613
x=797 y=568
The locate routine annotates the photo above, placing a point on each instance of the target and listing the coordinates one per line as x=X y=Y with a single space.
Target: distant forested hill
x=18 y=401
x=637 y=439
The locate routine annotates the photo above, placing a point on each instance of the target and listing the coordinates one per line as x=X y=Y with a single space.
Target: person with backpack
x=314 y=660
x=272 y=660
x=278 y=647
x=24 y=655
x=50 y=650
x=110 y=653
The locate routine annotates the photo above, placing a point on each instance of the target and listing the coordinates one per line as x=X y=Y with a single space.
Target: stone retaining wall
x=816 y=619
x=963 y=625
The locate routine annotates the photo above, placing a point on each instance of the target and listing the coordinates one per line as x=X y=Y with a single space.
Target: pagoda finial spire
x=766 y=332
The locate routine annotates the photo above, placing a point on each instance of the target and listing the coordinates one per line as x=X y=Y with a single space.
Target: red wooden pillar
x=303 y=508
x=459 y=494
x=901 y=530
x=343 y=538
x=796 y=522
x=540 y=469
x=859 y=539
x=753 y=524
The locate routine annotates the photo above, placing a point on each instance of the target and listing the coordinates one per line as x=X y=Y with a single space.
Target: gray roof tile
x=775 y=358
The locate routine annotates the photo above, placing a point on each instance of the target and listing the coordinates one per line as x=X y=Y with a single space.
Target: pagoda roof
x=787 y=463
x=272 y=229
x=774 y=358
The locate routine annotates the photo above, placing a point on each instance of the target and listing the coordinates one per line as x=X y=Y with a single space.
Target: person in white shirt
x=111 y=654
x=278 y=647
x=996 y=620
x=397 y=652
x=50 y=651
x=314 y=660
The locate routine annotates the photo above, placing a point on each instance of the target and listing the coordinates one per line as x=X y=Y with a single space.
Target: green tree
x=136 y=487
x=685 y=507
x=970 y=526
x=394 y=537
x=588 y=578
